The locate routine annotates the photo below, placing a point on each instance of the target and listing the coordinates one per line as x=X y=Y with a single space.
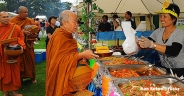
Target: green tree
x=12 y=5
x=38 y=7
x=88 y=16
x=3 y=7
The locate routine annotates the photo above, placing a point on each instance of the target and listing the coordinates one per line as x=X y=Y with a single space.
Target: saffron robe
x=28 y=57
x=62 y=56
x=10 y=73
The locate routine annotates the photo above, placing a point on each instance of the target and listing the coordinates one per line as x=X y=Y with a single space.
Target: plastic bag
x=129 y=45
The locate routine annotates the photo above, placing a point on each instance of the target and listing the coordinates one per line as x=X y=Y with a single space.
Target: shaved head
x=64 y=16
x=21 y=8
x=2 y=12
x=4 y=17
x=23 y=12
x=68 y=20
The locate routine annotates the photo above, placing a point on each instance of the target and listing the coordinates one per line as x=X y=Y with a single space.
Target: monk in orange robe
x=9 y=73
x=62 y=57
x=28 y=57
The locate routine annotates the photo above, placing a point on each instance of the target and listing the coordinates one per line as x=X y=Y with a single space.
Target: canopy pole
x=88 y=23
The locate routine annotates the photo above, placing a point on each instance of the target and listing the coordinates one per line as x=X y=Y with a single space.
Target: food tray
x=134 y=71
x=121 y=61
x=159 y=86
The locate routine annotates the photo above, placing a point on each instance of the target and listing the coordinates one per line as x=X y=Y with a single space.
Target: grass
x=41 y=45
x=37 y=89
x=181 y=26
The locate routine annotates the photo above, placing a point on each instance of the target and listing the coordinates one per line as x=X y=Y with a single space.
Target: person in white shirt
x=117 y=23
x=57 y=23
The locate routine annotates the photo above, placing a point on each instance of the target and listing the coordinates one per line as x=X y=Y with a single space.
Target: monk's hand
x=22 y=49
x=88 y=54
x=145 y=43
x=33 y=35
x=26 y=32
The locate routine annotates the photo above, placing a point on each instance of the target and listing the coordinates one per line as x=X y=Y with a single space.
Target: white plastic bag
x=40 y=34
x=129 y=45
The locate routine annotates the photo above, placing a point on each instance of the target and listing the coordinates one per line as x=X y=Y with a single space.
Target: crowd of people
x=115 y=25
x=62 y=51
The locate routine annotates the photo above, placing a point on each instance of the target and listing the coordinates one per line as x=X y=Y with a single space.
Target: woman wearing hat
x=168 y=40
x=117 y=23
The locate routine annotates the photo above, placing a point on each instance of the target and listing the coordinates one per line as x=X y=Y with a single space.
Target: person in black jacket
x=128 y=16
x=104 y=26
x=51 y=28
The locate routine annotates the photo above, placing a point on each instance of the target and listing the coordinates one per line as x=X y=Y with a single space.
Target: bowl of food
x=13 y=52
x=104 y=54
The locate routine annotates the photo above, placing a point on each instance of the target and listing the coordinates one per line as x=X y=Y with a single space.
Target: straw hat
x=170 y=8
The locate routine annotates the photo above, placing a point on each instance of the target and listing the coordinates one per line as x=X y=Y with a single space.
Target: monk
x=9 y=73
x=28 y=57
x=62 y=57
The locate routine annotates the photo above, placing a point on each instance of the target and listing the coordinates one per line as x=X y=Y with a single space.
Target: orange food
x=120 y=61
x=127 y=73
x=102 y=49
x=147 y=88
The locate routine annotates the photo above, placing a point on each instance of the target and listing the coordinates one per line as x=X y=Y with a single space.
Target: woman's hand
x=145 y=42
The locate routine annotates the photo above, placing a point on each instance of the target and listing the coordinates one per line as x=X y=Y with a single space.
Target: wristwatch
x=154 y=45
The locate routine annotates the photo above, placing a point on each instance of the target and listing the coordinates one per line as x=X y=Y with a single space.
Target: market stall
x=112 y=72
x=128 y=76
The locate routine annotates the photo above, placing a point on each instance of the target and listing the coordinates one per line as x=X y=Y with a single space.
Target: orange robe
x=62 y=57
x=28 y=56
x=10 y=73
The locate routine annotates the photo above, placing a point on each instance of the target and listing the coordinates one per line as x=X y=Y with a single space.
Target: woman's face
x=115 y=23
x=53 y=21
x=166 y=20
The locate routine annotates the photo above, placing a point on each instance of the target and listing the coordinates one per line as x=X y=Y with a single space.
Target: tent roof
x=135 y=6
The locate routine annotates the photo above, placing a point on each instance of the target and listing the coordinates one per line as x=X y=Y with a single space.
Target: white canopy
x=138 y=7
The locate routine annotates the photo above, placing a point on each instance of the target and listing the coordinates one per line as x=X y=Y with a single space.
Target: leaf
x=100 y=10
x=94 y=6
x=86 y=16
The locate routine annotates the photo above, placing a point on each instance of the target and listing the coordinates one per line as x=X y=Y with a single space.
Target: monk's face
x=71 y=24
x=4 y=18
x=23 y=14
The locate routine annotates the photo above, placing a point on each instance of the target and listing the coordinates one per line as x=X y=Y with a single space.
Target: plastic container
x=38 y=56
x=43 y=53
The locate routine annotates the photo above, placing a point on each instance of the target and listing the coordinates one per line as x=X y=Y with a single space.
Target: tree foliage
x=38 y=7
x=3 y=7
x=87 y=17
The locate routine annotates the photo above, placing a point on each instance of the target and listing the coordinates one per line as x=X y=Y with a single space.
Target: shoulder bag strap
x=11 y=32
